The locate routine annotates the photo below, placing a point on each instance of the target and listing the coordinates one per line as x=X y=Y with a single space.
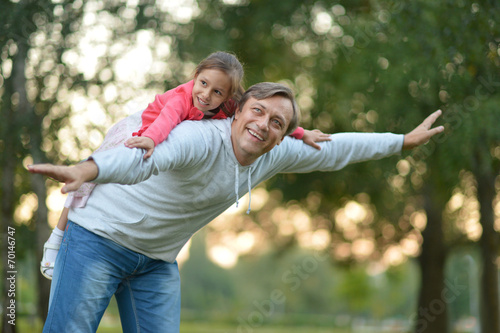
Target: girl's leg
x=116 y=136
x=63 y=219
x=51 y=246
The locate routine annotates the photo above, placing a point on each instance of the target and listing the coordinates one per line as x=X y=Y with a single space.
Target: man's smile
x=256 y=135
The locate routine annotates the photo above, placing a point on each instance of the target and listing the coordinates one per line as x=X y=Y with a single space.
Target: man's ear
x=237 y=113
x=283 y=138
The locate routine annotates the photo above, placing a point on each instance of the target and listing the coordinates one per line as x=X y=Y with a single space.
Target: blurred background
x=406 y=244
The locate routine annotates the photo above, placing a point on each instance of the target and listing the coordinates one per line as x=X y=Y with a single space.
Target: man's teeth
x=256 y=135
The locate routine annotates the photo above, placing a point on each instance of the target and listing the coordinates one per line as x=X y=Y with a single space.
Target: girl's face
x=211 y=88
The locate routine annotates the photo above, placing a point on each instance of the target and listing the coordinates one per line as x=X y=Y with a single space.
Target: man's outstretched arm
x=423 y=132
x=73 y=176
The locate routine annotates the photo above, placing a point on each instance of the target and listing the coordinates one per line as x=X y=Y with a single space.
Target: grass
x=223 y=328
x=111 y=324
x=214 y=328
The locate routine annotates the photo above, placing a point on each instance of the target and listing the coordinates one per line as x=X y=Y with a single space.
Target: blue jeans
x=89 y=269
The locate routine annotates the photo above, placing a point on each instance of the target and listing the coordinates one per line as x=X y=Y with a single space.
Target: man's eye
x=277 y=123
x=257 y=110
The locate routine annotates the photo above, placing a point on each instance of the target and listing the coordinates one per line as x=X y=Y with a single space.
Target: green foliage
x=380 y=66
x=357 y=290
x=307 y=284
x=361 y=65
x=209 y=286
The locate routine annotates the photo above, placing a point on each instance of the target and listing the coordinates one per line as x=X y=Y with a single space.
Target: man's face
x=259 y=126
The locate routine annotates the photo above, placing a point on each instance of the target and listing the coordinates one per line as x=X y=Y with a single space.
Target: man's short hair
x=265 y=90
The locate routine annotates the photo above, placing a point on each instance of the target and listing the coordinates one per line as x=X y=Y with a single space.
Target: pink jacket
x=176 y=105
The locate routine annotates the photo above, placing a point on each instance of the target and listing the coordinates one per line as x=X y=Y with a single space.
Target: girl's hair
x=229 y=64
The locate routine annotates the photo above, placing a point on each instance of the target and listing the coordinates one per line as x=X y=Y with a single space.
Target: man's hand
x=311 y=137
x=423 y=132
x=73 y=176
x=141 y=142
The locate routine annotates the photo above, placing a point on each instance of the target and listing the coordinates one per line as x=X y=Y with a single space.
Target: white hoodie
x=194 y=176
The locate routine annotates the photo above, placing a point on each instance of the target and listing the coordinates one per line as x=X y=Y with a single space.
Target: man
x=126 y=239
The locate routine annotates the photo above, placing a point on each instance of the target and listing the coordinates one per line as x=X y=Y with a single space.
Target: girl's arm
x=170 y=115
x=161 y=116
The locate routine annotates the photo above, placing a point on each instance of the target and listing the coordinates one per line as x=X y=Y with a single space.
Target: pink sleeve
x=167 y=111
x=150 y=114
x=298 y=133
x=173 y=112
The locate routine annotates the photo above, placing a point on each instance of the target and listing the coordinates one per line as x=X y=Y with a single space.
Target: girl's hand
x=311 y=137
x=142 y=142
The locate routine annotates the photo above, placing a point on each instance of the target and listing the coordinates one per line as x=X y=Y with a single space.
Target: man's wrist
x=407 y=142
x=88 y=170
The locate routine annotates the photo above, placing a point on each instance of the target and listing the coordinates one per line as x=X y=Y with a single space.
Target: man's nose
x=263 y=122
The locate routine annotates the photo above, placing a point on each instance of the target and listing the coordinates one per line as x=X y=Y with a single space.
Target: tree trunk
x=432 y=316
x=34 y=127
x=8 y=203
x=9 y=268
x=490 y=309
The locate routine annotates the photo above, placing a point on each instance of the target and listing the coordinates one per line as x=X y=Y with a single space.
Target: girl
x=213 y=93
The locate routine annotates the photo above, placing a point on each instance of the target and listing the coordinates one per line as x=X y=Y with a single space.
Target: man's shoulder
x=208 y=125
x=287 y=150
x=199 y=131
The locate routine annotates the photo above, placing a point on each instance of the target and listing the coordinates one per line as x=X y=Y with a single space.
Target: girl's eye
x=203 y=83
x=218 y=92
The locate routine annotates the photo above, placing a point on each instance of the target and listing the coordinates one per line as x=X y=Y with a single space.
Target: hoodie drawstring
x=249 y=190
x=236 y=183
x=237 y=186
